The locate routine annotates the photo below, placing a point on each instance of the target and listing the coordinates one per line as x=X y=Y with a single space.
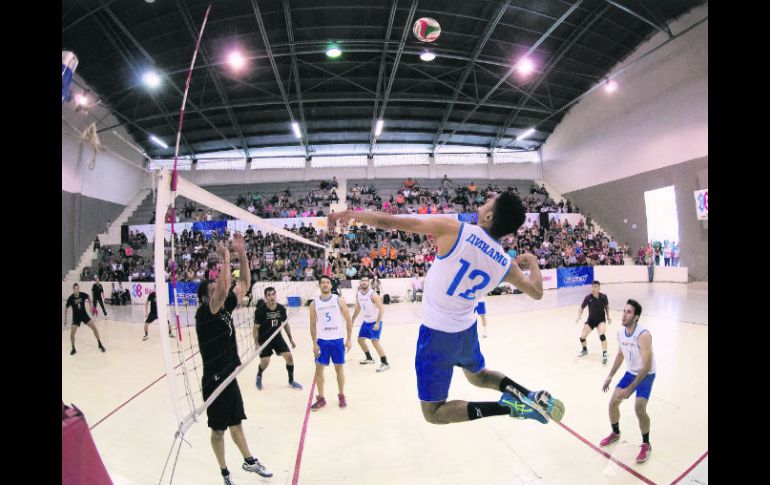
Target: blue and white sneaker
x=540 y=406
x=259 y=382
x=522 y=409
x=295 y=385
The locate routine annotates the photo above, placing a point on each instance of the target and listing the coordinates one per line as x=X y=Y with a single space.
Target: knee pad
x=602 y=338
x=582 y=340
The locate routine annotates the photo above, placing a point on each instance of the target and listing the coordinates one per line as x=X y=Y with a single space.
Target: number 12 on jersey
x=468 y=294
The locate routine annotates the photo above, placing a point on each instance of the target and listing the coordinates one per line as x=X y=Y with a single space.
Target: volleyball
x=426 y=29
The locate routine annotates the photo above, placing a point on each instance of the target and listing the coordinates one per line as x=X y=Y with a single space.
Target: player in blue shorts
x=635 y=347
x=371 y=328
x=331 y=329
x=470 y=262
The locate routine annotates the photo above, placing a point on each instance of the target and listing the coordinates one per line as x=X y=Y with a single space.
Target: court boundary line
x=684 y=473
x=301 y=447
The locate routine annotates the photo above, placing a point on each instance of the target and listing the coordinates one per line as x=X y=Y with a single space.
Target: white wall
x=658 y=117
x=113 y=180
x=399 y=286
x=523 y=171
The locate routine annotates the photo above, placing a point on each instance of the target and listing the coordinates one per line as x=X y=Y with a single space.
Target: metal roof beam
x=147 y=55
x=542 y=38
x=502 y=7
x=621 y=71
x=269 y=51
x=188 y=22
x=563 y=49
x=295 y=69
x=381 y=73
x=128 y=58
x=666 y=31
x=392 y=78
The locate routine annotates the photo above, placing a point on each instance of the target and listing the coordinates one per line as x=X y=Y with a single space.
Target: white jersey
x=330 y=324
x=369 y=310
x=629 y=345
x=475 y=265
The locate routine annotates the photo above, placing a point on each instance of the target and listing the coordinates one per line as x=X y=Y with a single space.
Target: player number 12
x=468 y=294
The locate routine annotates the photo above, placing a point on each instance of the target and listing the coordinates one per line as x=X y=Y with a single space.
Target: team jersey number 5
x=470 y=293
x=328 y=317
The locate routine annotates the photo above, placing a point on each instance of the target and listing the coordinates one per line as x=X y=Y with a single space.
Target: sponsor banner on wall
x=209 y=228
x=186 y=292
x=702 y=204
x=549 y=279
x=577 y=276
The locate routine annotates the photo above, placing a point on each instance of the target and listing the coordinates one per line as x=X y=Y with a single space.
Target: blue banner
x=578 y=276
x=472 y=217
x=66 y=83
x=186 y=292
x=208 y=228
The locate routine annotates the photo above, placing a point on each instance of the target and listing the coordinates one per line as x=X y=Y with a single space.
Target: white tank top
x=629 y=345
x=369 y=310
x=330 y=324
x=475 y=265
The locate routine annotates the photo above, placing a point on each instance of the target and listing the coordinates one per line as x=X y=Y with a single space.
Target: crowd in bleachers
x=446 y=197
x=365 y=250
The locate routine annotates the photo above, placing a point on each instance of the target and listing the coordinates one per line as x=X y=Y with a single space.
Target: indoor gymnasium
x=376 y=242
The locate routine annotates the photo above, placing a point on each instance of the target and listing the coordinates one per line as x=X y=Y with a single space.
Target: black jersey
x=595 y=307
x=269 y=320
x=97 y=290
x=216 y=338
x=153 y=303
x=78 y=304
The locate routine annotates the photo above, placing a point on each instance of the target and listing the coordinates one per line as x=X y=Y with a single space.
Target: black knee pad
x=602 y=338
x=583 y=340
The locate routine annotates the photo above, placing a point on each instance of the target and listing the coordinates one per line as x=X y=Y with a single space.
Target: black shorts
x=594 y=323
x=277 y=345
x=151 y=317
x=78 y=319
x=227 y=408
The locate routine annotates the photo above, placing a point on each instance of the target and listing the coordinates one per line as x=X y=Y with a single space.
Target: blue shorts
x=481 y=308
x=438 y=353
x=643 y=389
x=367 y=331
x=331 y=349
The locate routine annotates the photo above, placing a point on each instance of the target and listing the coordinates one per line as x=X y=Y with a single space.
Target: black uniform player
x=598 y=305
x=152 y=302
x=219 y=353
x=267 y=321
x=79 y=301
x=97 y=291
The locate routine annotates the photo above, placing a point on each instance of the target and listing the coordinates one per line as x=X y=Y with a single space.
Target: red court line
x=607 y=455
x=704 y=455
x=138 y=393
x=298 y=462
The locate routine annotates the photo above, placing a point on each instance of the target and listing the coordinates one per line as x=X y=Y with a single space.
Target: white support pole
x=162 y=203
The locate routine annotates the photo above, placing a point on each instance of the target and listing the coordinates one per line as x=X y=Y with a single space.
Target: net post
x=162 y=202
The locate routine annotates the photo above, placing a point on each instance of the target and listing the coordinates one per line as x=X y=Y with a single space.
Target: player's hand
x=606 y=385
x=609 y=320
x=623 y=393
x=348 y=345
x=577 y=320
x=316 y=350
x=221 y=249
x=239 y=244
x=293 y=345
x=376 y=326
